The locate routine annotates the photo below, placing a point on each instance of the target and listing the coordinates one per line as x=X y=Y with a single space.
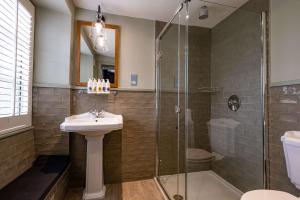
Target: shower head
x=203 y=13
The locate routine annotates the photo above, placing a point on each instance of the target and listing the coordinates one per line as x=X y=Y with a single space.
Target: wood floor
x=137 y=190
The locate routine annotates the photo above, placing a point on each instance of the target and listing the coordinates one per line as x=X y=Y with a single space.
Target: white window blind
x=16 y=55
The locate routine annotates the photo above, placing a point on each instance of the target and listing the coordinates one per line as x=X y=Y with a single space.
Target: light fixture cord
x=99 y=14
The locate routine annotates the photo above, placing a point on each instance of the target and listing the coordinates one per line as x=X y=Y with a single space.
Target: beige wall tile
x=17 y=154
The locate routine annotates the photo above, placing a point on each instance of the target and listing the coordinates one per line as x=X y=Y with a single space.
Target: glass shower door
x=171 y=45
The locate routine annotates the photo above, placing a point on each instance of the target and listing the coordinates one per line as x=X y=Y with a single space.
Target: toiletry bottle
x=94 y=85
x=107 y=85
x=99 y=86
x=90 y=86
x=103 y=85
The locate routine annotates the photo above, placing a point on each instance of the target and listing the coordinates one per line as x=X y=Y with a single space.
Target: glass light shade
x=101 y=41
x=98 y=27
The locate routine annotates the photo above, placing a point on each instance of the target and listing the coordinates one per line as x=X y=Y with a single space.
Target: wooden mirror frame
x=117 y=52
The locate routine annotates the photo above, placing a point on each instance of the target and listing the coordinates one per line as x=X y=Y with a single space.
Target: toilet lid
x=268 y=195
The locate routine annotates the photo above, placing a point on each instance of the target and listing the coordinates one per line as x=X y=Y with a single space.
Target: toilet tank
x=222 y=133
x=291 y=146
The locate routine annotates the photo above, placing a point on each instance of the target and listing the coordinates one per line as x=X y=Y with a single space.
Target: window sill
x=15 y=132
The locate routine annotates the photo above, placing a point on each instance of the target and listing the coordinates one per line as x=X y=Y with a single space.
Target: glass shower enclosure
x=210 y=87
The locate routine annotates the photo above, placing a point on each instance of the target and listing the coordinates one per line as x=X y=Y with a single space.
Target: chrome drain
x=178 y=197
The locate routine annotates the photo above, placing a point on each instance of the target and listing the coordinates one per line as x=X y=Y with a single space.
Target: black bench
x=36 y=182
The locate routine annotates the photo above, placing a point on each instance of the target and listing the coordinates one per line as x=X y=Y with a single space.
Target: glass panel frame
x=172 y=89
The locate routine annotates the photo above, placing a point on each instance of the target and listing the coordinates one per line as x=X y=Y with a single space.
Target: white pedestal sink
x=94 y=130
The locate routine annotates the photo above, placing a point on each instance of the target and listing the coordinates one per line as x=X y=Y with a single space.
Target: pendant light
x=98 y=33
x=99 y=24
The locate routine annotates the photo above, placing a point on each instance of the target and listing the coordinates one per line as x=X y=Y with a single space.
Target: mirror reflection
x=97 y=54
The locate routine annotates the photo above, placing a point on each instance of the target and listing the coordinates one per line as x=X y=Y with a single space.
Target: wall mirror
x=97 y=55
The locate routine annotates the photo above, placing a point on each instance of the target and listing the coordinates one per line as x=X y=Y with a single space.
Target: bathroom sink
x=88 y=124
x=94 y=129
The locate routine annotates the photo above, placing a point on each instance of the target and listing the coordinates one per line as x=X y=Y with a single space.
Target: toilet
x=268 y=195
x=291 y=146
x=222 y=133
x=198 y=159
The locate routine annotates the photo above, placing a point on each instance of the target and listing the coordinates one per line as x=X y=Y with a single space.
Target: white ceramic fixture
x=268 y=195
x=291 y=146
x=93 y=128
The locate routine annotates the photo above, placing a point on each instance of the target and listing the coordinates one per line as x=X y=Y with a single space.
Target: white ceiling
x=57 y=5
x=163 y=9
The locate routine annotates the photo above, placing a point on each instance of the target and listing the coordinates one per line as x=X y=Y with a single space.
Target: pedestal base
x=94 y=196
x=94 y=186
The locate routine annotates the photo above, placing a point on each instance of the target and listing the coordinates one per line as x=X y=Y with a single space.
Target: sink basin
x=94 y=130
x=88 y=125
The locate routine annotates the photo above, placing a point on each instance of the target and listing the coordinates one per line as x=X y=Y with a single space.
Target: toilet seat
x=194 y=154
x=268 y=195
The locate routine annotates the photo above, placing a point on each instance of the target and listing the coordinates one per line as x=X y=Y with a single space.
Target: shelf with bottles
x=98 y=92
x=98 y=87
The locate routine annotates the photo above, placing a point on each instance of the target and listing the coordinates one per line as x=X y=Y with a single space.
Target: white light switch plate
x=133 y=79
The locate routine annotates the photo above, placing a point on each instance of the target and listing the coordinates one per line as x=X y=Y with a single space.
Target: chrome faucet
x=97 y=114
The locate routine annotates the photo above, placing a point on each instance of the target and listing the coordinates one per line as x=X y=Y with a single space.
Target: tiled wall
x=199 y=77
x=50 y=107
x=236 y=70
x=284 y=116
x=16 y=156
x=129 y=154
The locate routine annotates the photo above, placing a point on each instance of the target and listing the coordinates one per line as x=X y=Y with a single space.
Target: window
x=16 y=59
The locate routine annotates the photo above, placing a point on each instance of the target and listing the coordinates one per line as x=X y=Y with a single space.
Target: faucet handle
x=93 y=111
x=97 y=113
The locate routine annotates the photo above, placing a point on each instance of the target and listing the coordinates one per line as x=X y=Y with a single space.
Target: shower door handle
x=177 y=109
x=159 y=55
